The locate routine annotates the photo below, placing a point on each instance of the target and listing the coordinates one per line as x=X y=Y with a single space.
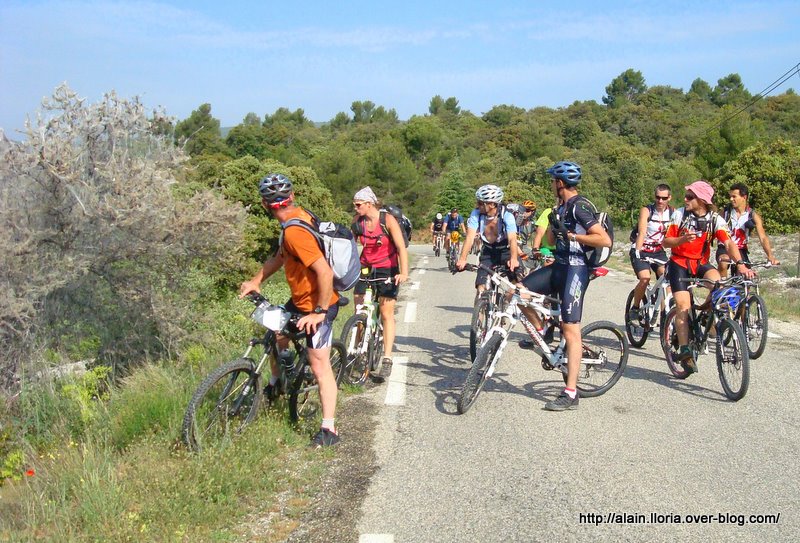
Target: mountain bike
x=654 y=306
x=228 y=399
x=605 y=348
x=438 y=241
x=733 y=361
x=362 y=336
x=491 y=299
x=752 y=314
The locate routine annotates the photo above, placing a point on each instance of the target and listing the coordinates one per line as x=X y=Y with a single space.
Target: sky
x=243 y=57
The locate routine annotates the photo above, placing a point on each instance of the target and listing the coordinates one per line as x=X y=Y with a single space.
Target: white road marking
x=396 y=389
x=422 y=271
x=376 y=538
x=411 y=312
x=415 y=285
x=773 y=336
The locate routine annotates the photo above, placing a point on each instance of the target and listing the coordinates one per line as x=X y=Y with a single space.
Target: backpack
x=339 y=247
x=710 y=222
x=405 y=223
x=597 y=256
x=651 y=208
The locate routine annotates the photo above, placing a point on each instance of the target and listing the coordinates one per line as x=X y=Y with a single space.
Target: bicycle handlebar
x=499 y=280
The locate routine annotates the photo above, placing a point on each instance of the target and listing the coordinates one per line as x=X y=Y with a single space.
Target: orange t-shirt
x=300 y=251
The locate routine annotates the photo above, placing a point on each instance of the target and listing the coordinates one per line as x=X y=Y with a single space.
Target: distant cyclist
x=453 y=223
x=574 y=228
x=437 y=227
x=526 y=223
x=742 y=220
x=541 y=242
x=689 y=236
x=497 y=230
x=648 y=242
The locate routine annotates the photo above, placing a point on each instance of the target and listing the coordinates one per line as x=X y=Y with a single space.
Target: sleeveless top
x=740 y=230
x=379 y=250
x=656 y=229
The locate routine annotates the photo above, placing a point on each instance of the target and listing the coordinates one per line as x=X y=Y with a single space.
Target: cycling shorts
x=384 y=290
x=491 y=257
x=567 y=282
x=721 y=250
x=323 y=337
x=676 y=272
x=640 y=265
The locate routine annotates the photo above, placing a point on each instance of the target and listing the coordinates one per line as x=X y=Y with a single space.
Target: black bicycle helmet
x=568 y=172
x=275 y=187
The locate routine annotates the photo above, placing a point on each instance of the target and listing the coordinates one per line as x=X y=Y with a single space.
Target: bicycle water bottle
x=368 y=297
x=286 y=358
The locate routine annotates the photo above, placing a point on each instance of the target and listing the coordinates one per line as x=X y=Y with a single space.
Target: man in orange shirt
x=689 y=237
x=310 y=279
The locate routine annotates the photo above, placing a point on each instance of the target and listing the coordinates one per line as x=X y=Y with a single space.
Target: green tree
x=700 y=89
x=200 y=132
x=454 y=192
x=730 y=91
x=626 y=87
x=772 y=173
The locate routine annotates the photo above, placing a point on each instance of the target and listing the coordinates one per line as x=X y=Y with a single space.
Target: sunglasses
x=689 y=197
x=662 y=198
x=358 y=204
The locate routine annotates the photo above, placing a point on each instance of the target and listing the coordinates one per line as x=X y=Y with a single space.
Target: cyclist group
x=568 y=231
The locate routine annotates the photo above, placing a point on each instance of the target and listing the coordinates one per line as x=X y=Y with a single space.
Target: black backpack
x=597 y=256
x=651 y=208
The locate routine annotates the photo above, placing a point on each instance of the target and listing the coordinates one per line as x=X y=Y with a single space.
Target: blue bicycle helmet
x=729 y=297
x=568 y=172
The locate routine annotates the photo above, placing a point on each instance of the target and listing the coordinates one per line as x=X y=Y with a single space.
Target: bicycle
x=752 y=314
x=362 y=337
x=228 y=399
x=491 y=299
x=654 y=305
x=605 y=348
x=455 y=248
x=438 y=241
x=733 y=361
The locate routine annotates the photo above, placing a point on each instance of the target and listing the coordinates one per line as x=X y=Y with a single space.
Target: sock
x=571 y=392
x=272 y=380
x=327 y=424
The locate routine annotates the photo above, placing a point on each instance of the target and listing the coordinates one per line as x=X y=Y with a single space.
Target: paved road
x=510 y=471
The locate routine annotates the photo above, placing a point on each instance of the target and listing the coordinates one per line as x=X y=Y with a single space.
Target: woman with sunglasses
x=689 y=236
x=648 y=242
x=384 y=254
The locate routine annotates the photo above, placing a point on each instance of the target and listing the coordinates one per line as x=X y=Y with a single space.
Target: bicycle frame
x=371 y=310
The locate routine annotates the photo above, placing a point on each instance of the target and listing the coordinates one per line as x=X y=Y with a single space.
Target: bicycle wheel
x=375 y=350
x=636 y=331
x=225 y=402
x=670 y=344
x=755 y=325
x=733 y=361
x=605 y=355
x=305 y=404
x=479 y=325
x=476 y=377
x=356 y=368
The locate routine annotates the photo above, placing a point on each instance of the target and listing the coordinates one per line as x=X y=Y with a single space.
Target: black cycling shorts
x=385 y=290
x=492 y=257
x=676 y=272
x=721 y=250
x=567 y=282
x=639 y=265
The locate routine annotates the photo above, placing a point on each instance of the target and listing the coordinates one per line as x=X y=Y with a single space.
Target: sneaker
x=689 y=366
x=562 y=403
x=324 y=438
x=271 y=392
x=633 y=314
x=527 y=344
x=386 y=367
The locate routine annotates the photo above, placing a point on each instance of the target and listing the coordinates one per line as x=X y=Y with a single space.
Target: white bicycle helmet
x=516 y=209
x=489 y=193
x=438 y=216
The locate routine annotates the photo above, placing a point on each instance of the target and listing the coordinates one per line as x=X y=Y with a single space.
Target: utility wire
x=771 y=87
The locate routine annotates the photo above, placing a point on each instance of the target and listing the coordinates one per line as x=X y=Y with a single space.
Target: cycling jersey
x=693 y=254
x=477 y=221
x=656 y=229
x=577 y=214
x=740 y=226
x=544 y=220
x=438 y=225
x=454 y=223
